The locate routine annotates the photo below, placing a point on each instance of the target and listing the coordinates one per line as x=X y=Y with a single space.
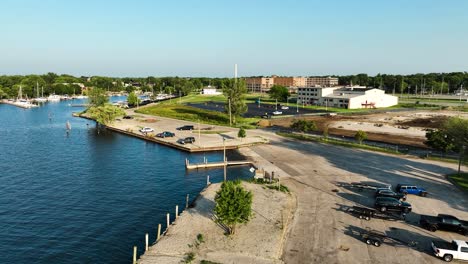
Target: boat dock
x=25 y=105
x=215 y=164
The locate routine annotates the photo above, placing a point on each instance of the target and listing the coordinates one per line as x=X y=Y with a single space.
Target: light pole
x=224 y=157
x=462 y=152
x=297 y=106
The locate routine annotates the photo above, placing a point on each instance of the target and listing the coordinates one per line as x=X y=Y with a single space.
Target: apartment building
x=321 y=81
x=290 y=81
x=259 y=84
x=345 y=97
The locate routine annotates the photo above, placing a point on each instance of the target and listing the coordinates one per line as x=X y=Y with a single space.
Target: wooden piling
x=176 y=211
x=167 y=221
x=207 y=180
x=134 y=254
x=159 y=232
x=186 y=202
x=146 y=242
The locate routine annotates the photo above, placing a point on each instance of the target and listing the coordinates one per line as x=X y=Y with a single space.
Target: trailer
x=377 y=238
x=369 y=186
x=369 y=213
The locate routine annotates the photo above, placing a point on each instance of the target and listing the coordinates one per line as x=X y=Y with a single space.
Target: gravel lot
x=322 y=230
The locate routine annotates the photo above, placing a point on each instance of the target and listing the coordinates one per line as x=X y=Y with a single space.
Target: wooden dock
x=215 y=164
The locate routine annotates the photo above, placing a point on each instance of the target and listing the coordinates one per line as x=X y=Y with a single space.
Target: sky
x=207 y=37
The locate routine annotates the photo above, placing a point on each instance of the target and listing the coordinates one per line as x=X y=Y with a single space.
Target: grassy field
x=188 y=113
x=460 y=180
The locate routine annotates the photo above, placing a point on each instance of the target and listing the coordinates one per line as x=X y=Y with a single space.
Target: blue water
x=86 y=197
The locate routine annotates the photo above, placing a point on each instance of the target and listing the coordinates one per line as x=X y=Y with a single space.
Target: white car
x=146 y=130
x=458 y=249
x=277 y=112
x=284 y=107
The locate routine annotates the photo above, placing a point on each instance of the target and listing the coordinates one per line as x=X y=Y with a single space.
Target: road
x=322 y=232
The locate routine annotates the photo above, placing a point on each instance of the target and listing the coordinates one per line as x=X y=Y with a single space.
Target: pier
x=215 y=164
x=25 y=105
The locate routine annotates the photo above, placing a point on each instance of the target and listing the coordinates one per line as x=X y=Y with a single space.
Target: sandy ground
x=259 y=241
x=323 y=232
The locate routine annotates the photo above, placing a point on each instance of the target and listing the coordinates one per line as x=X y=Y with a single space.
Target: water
x=88 y=197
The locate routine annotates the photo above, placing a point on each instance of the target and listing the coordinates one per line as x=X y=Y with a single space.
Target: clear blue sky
x=207 y=37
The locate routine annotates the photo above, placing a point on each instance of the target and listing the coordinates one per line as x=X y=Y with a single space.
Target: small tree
x=439 y=140
x=97 y=97
x=133 y=99
x=360 y=136
x=233 y=205
x=325 y=133
x=105 y=114
x=241 y=133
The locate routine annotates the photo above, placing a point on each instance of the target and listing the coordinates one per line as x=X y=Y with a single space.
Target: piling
x=159 y=232
x=167 y=218
x=207 y=180
x=134 y=254
x=176 y=211
x=146 y=242
x=186 y=202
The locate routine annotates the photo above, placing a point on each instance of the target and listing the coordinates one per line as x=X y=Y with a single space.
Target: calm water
x=89 y=197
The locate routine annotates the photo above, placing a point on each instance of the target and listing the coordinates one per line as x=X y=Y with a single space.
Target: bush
x=241 y=133
x=360 y=136
x=303 y=125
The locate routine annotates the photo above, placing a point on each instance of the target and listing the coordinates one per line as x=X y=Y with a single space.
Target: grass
x=464 y=162
x=337 y=142
x=460 y=179
x=189 y=113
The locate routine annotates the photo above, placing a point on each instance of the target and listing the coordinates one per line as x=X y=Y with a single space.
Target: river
x=87 y=197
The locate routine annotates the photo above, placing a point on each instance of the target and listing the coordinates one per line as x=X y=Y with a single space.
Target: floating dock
x=216 y=164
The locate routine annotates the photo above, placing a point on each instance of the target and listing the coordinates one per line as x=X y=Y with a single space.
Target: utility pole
x=224 y=157
x=230 y=116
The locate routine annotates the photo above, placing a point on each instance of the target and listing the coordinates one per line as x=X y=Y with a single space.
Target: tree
x=439 y=140
x=97 y=97
x=457 y=129
x=233 y=205
x=105 y=114
x=279 y=92
x=133 y=99
x=360 y=136
x=241 y=133
x=303 y=125
x=235 y=91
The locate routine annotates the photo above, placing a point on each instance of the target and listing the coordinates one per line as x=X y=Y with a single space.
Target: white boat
x=53 y=98
x=41 y=99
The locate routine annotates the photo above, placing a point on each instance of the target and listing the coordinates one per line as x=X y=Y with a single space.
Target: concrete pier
x=216 y=164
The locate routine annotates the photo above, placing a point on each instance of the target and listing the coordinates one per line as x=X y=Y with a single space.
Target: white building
x=346 y=97
x=210 y=90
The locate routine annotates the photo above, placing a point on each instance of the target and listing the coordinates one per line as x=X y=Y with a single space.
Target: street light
x=224 y=157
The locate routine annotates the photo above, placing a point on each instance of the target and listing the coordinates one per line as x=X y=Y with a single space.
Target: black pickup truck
x=444 y=222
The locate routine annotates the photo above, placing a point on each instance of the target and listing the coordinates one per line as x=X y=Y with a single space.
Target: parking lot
x=254 y=110
x=323 y=231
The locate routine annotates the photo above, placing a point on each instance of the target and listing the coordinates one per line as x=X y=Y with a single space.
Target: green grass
x=337 y=142
x=460 y=179
x=464 y=162
x=189 y=113
x=199 y=98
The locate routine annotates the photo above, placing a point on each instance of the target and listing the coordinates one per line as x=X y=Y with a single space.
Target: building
x=345 y=97
x=290 y=81
x=210 y=90
x=321 y=81
x=259 y=84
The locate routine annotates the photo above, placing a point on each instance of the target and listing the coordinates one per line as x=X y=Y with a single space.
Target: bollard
x=146 y=242
x=159 y=232
x=176 y=211
x=167 y=222
x=134 y=254
x=207 y=180
x=186 y=202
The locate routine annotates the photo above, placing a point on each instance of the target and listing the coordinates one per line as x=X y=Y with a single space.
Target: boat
x=53 y=98
x=41 y=99
x=21 y=102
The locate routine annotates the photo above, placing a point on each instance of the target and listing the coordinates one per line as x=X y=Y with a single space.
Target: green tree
x=133 y=99
x=457 y=129
x=439 y=140
x=241 y=133
x=105 y=114
x=235 y=91
x=303 y=125
x=233 y=205
x=3 y=94
x=360 y=136
x=97 y=97
x=279 y=92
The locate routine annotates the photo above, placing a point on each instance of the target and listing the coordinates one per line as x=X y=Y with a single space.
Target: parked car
x=128 y=117
x=384 y=192
x=284 y=107
x=458 y=249
x=186 y=140
x=186 y=127
x=265 y=116
x=165 y=134
x=444 y=222
x=411 y=189
x=384 y=204
x=277 y=112
x=146 y=130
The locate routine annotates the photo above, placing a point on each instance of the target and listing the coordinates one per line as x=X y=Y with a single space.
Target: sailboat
x=24 y=103
x=41 y=99
x=68 y=125
x=53 y=98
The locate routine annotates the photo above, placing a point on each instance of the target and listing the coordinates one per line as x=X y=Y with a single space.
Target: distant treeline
x=66 y=84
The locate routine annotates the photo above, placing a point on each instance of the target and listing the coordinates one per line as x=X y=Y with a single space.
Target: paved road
x=322 y=232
